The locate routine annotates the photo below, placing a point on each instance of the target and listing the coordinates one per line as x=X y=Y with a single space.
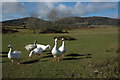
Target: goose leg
x=54 y=59
x=38 y=56
x=12 y=61
x=18 y=61
x=58 y=59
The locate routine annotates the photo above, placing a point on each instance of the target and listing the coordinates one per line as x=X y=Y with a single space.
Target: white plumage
x=13 y=55
x=36 y=51
x=31 y=46
x=44 y=47
x=55 y=52
x=62 y=48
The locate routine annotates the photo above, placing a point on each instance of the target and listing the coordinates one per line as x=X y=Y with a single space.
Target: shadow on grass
x=75 y=58
x=78 y=54
x=30 y=62
x=84 y=56
x=70 y=58
x=3 y=55
x=3 y=52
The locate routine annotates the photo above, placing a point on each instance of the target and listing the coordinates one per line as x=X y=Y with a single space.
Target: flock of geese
x=38 y=49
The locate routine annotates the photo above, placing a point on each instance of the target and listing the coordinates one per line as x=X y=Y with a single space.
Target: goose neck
x=55 y=46
x=30 y=53
x=63 y=43
x=35 y=43
x=10 y=51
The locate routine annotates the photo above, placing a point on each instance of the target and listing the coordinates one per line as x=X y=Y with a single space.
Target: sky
x=14 y=9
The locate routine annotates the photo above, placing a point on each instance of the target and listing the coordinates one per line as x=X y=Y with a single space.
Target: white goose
x=55 y=52
x=36 y=51
x=31 y=46
x=13 y=55
x=62 y=48
x=44 y=47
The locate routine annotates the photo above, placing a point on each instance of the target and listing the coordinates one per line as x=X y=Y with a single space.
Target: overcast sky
x=13 y=9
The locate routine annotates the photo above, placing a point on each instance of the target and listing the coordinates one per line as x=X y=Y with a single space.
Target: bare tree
x=53 y=16
x=32 y=22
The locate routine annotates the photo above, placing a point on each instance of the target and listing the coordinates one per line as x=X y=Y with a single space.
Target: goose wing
x=16 y=52
x=41 y=46
x=38 y=50
x=30 y=47
x=59 y=52
x=62 y=49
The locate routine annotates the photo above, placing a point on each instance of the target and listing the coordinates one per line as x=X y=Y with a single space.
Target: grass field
x=85 y=57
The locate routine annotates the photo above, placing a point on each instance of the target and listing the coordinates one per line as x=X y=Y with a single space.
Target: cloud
x=64 y=10
x=43 y=8
x=83 y=9
x=13 y=9
x=79 y=9
x=16 y=9
x=113 y=15
x=92 y=8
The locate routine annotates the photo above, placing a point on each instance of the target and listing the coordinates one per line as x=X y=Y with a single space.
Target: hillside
x=77 y=21
x=20 y=22
x=89 y=20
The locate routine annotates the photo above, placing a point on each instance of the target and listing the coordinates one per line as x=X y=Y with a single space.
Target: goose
x=13 y=55
x=55 y=52
x=36 y=51
x=44 y=47
x=62 y=48
x=31 y=46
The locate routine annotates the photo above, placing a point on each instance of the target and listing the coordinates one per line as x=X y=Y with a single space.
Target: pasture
x=86 y=57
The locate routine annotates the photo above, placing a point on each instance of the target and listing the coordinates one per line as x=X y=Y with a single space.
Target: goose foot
x=54 y=60
x=12 y=61
x=58 y=60
x=18 y=63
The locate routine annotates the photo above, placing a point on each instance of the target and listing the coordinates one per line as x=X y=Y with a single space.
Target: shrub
x=7 y=30
x=65 y=37
x=52 y=30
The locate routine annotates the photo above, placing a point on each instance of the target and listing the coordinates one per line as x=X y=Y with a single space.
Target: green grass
x=90 y=45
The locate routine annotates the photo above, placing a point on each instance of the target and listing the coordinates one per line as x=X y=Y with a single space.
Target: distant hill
x=89 y=20
x=77 y=21
x=19 y=22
